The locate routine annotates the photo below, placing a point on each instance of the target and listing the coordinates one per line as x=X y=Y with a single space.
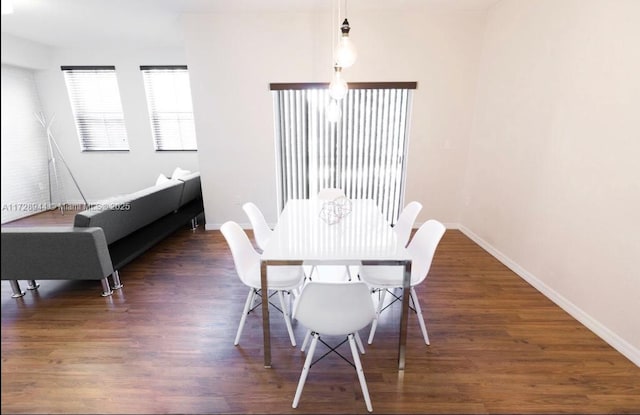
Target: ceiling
x=83 y=23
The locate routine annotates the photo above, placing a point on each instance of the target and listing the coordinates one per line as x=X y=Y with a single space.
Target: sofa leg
x=32 y=285
x=15 y=287
x=194 y=223
x=106 y=290
x=116 y=280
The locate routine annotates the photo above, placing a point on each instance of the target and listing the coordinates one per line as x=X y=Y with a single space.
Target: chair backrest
x=244 y=255
x=405 y=222
x=422 y=249
x=330 y=193
x=334 y=308
x=261 y=229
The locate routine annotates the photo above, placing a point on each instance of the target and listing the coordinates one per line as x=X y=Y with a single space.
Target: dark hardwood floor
x=164 y=344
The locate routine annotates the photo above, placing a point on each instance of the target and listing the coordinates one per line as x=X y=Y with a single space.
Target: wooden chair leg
x=423 y=326
x=374 y=324
x=306 y=340
x=245 y=312
x=360 y=371
x=305 y=370
x=359 y=342
x=287 y=320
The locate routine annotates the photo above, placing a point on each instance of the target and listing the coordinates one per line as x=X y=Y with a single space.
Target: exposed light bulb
x=338 y=87
x=346 y=52
x=333 y=111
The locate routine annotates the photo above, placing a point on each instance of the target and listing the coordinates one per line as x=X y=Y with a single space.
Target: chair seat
x=383 y=276
x=278 y=277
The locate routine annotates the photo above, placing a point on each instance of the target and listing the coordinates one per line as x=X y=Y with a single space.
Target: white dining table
x=362 y=236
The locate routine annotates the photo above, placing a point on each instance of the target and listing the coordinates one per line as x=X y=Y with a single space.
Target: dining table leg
x=266 y=331
x=404 y=318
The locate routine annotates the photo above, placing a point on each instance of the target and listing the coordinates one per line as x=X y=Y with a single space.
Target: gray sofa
x=103 y=238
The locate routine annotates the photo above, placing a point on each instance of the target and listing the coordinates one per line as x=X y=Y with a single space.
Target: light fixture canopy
x=338 y=87
x=346 y=52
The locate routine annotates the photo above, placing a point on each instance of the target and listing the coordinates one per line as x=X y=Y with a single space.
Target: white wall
x=25 y=161
x=100 y=174
x=553 y=184
x=25 y=165
x=234 y=56
x=104 y=174
x=24 y=53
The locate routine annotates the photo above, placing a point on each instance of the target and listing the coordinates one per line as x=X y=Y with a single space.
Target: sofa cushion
x=162 y=179
x=179 y=173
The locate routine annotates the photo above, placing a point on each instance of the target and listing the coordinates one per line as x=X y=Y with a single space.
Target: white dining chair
x=405 y=222
x=334 y=309
x=261 y=229
x=385 y=279
x=282 y=279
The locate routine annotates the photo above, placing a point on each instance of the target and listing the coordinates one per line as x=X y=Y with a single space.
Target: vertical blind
x=364 y=153
x=170 y=107
x=95 y=102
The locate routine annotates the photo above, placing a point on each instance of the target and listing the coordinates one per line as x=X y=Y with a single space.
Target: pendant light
x=344 y=55
x=338 y=87
x=346 y=52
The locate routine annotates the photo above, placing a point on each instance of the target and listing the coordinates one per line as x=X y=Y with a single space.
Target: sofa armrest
x=192 y=188
x=49 y=252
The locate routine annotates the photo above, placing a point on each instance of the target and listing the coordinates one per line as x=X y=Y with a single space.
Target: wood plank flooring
x=164 y=344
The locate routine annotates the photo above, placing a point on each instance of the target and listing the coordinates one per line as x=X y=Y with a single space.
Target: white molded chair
x=261 y=230
x=334 y=309
x=384 y=279
x=405 y=222
x=282 y=279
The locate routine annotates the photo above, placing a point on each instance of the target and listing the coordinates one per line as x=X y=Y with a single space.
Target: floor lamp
x=53 y=148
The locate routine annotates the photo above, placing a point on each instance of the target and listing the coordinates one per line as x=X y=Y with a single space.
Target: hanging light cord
x=333 y=34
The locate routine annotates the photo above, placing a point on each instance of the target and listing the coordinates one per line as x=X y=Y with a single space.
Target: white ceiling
x=79 y=23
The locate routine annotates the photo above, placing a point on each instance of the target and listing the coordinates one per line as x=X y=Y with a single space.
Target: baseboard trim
x=216 y=226
x=625 y=348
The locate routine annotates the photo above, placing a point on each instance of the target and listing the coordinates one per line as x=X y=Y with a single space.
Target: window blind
x=364 y=153
x=170 y=107
x=95 y=101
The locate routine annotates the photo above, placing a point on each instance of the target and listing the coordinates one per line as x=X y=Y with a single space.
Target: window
x=95 y=101
x=170 y=108
x=364 y=153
